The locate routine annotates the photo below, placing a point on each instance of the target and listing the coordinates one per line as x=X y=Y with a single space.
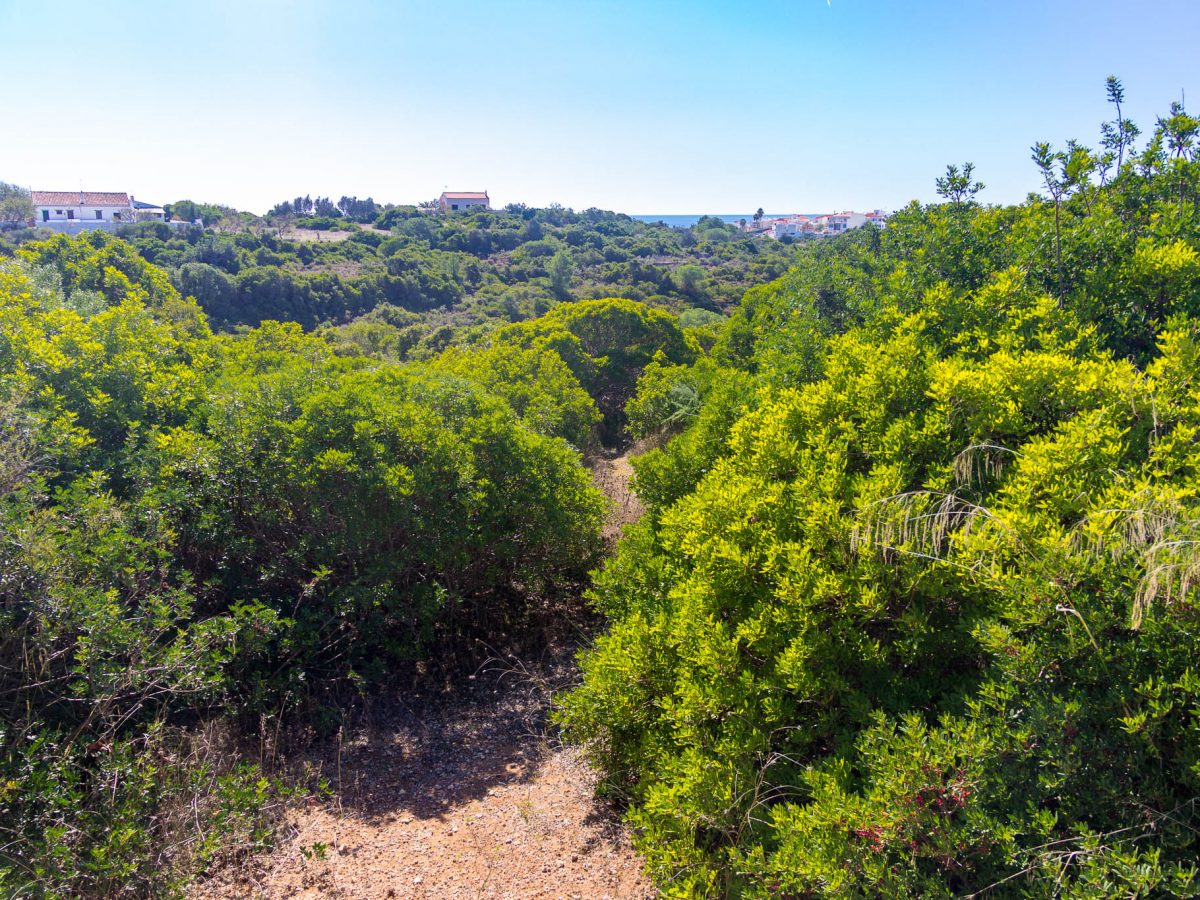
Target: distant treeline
x=207 y=535
x=475 y=269
x=913 y=611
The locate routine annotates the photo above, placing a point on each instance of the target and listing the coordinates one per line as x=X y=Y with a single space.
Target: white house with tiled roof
x=452 y=201
x=836 y=223
x=81 y=206
x=823 y=225
x=791 y=226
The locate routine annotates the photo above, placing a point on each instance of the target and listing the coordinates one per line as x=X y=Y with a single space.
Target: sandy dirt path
x=470 y=795
x=612 y=475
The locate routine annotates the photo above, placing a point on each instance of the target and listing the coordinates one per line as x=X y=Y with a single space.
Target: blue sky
x=643 y=106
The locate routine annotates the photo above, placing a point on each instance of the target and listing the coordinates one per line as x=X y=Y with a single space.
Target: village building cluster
x=824 y=225
x=76 y=211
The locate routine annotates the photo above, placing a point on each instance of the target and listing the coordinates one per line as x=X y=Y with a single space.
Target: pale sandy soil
x=469 y=794
x=612 y=475
x=310 y=234
x=472 y=801
x=313 y=234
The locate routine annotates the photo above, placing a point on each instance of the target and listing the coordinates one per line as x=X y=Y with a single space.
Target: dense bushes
x=395 y=502
x=913 y=611
x=536 y=383
x=196 y=529
x=758 y=632
x=606 y=344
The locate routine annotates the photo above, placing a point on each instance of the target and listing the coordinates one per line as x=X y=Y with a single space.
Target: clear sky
x=642 y=106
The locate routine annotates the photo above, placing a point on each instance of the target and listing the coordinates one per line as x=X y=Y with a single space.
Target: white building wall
x=465 y=204
x=76 y=226
x=79 y=213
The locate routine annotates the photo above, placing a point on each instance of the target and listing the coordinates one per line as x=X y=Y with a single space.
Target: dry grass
x=310 y=235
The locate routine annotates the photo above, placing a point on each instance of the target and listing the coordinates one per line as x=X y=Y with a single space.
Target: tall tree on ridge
x=1045 y=159
x=16 y=204
x=956 y=186
x=1119 y=135
x=1180 y=130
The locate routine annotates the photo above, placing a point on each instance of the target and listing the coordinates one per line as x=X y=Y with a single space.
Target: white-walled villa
x=453 y=201
x=75 y=211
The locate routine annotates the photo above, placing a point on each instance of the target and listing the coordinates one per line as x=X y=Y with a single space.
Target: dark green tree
x=1052 y=166
x=957 y=187
x=16 y=205
x=560 y=270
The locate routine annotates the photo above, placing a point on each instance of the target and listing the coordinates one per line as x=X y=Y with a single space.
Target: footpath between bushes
x=465 y=794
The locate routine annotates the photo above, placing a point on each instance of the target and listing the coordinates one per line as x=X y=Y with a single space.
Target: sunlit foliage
x=914 y=609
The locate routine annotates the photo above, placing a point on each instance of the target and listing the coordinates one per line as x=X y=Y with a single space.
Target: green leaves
x=191 y=524
x=913 y=611
x=535 y=382
x=956 y=185
x=606 y=344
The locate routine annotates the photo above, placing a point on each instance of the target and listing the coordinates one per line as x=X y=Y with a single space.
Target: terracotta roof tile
x=80 y=198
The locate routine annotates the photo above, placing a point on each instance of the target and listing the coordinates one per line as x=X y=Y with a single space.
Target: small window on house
x=45 y=215
x=454 y=206
x=99 y=214
x=58 y=212
x=70 y=213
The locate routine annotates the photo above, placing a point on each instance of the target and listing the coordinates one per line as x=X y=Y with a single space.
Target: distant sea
x=682 y=221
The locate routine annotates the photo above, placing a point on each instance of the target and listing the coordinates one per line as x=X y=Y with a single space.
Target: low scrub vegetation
x=196 y=528
x=913 y=609
x=911 y=612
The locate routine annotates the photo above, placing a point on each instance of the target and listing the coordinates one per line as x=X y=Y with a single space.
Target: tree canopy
x=16 y=205
x=913 y=612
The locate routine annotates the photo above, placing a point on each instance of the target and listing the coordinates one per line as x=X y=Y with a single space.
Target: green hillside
x=911 y=612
